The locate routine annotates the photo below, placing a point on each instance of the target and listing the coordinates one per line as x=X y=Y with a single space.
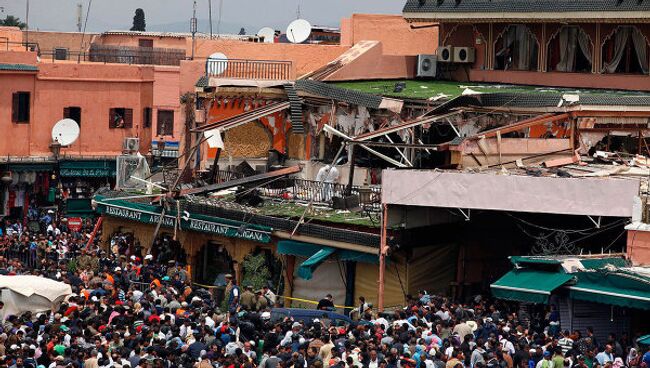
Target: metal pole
x=27 y=25
x=382 y=258
x=210 y=16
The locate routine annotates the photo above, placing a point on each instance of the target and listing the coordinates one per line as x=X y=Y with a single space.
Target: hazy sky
x=173 y=15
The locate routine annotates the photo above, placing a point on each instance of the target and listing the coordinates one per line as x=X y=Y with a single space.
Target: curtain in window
x=524 y=47
x=504 y=55
x=641 y=48
x=585 y=46
x=568 y=41
x=620 y=40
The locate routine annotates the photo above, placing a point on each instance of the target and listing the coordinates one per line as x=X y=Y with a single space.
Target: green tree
x=11 y=21
x=139 y=23
x=256 y=271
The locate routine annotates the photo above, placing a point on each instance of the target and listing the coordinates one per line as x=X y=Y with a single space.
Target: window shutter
x=66 y=113
x=128 y=118
x=15 y=106
x=111 y=118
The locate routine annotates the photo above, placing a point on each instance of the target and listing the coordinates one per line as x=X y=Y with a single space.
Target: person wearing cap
x=261 y=303
x=546 y=361
x=247 y=299
x=269 y=295
x=232 y=292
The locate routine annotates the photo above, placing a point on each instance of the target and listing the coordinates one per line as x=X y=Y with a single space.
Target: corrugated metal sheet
x=522 y=6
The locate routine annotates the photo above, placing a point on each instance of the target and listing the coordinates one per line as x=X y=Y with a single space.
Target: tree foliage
x=11 y=21
x=139 y=23
x=256 y=271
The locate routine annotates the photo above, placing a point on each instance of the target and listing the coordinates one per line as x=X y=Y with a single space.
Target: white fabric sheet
x=569 y=196
x=31 y=293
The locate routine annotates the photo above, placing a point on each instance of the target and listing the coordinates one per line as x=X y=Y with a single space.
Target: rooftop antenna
x=27 y=25
x=83 y=31
x=193 y=28
x=220 y=13
x=79 y=16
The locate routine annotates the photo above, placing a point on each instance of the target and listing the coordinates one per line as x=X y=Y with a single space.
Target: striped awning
x=245 y=117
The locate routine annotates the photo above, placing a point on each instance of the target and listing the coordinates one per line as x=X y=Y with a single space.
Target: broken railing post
x=353 y=157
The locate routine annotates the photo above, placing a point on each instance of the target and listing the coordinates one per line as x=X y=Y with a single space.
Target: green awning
x=317 y=254
x=598 y=263
x=80 y=207
x=518 y=260
x=30 y=167
x=295 y=248
x=307 y=268
x=528 y=285
x=612 y=288
x=88 y=168
x=644 y=340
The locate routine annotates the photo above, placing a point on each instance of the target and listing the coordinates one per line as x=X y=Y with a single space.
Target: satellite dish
x=65 y=131
x=218 y=65
x=298 y=31
x=268 y=33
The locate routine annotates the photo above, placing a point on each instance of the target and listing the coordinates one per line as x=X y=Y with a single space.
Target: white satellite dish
x=65 y=131
x=298 y=31
x=268 y=33
x=219 y=65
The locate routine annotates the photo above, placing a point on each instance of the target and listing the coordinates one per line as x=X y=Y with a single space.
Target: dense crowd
x=136 y=309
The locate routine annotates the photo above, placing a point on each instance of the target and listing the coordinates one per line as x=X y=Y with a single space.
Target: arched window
x=570 y=49
x=516 y=48
x=625 y=51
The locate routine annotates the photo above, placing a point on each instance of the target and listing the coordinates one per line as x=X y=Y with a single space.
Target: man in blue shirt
x=646 y=357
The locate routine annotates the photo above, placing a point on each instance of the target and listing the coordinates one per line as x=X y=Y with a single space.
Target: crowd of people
x=130 y=308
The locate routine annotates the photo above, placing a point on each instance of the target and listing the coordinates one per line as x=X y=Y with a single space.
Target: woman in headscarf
x=633 y=358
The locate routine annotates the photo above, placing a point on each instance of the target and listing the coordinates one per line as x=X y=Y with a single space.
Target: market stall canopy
x=528 y=285
x=606 y=280
x=31 y=293
x=621 y=289
x=518 y=193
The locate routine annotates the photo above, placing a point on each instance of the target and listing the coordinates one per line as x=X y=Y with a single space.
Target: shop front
x=256 y=255
x=604 y=293
x=79 y=181
x=25 y=186
x=212 y=246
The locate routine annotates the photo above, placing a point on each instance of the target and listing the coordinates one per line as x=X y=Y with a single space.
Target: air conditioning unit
x=464 y=54
x=445 y=54
x=131 y=145
x=427 y=66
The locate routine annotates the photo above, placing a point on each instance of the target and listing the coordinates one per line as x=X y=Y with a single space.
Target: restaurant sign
x=231 y=229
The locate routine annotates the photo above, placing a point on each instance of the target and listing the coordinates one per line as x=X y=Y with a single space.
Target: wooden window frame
x=125 y=113
x=18 y=116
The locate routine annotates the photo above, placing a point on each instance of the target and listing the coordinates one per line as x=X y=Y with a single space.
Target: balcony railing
x=303 y=190
x=249 y=69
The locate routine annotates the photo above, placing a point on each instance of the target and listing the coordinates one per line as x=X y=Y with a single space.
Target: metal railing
x=249 y=69
x=118 y=55
x=136 y=55
x=304 y=190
